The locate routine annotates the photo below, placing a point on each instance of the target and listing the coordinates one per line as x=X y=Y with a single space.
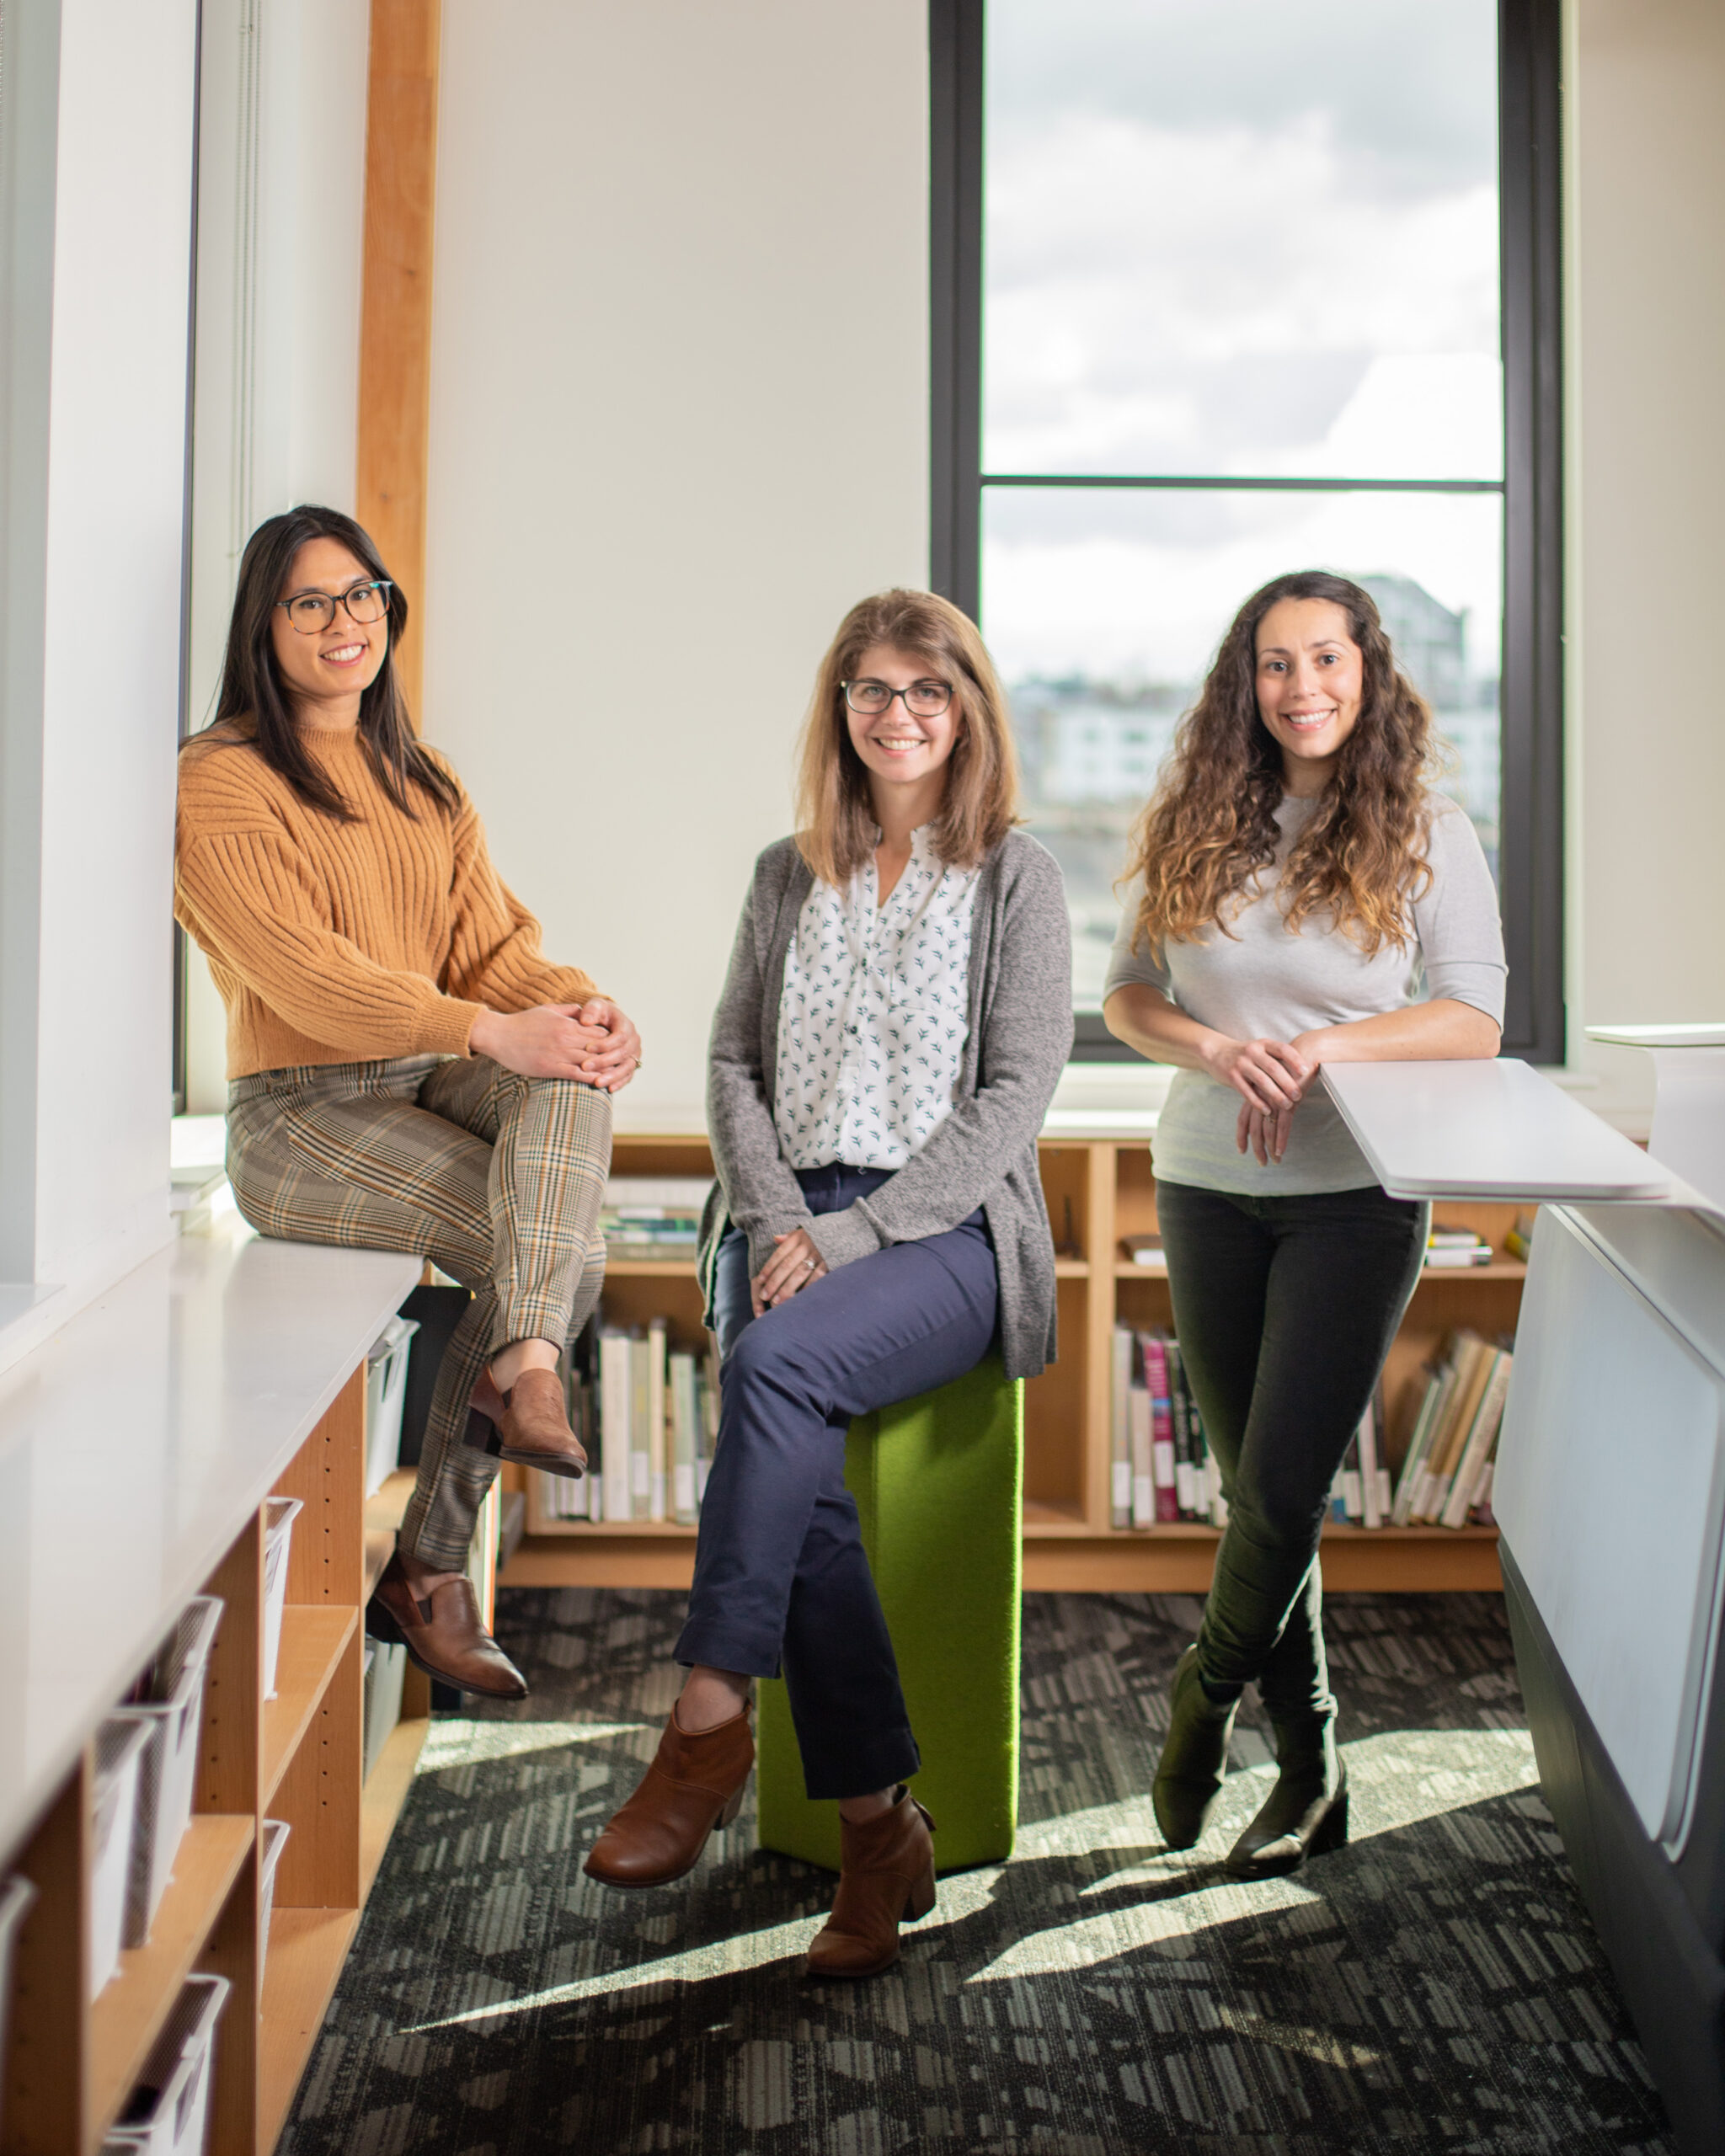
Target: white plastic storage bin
x=167 y=1772
x=385 y=1668
x=386 y=1388
x=278 y=1533
x=169 y=2112
x=120 y=1744
x=275 y=1839
x=16 y=1896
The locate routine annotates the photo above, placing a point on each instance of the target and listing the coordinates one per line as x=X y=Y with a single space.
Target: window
x=1225 y=290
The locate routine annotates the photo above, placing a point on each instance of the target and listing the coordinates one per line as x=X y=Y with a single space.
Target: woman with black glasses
x=897 y=1015
x=408 y=1071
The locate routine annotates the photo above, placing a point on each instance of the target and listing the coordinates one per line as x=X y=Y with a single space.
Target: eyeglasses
x=923 y=699
x=311 y=612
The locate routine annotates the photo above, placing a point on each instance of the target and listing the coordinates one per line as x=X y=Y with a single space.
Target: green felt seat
x=938 y=1482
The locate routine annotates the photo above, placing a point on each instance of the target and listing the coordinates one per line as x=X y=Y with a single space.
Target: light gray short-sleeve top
x=1259 y=982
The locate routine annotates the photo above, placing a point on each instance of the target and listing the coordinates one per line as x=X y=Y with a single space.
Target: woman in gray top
x=897 y=1015
x=1300 y=896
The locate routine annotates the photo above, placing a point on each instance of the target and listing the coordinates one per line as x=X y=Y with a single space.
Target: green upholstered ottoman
x=938 y=1482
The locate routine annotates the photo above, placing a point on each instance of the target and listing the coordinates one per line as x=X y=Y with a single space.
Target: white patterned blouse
x=873 y=1015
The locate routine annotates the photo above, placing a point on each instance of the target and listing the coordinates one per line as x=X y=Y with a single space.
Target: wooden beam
x=395 y=321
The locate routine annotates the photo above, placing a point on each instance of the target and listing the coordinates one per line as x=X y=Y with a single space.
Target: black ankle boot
x=1306 y=1814
x=1189 y=1775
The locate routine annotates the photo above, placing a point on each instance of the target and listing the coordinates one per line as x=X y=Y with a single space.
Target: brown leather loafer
x=888 y=1879
x=694 y=1784
x=442 y=1630
x=528 y=1424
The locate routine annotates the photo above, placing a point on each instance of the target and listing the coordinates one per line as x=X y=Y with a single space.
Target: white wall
x=664 y=458
x=99 y=229
x=1645 y=268
x=281 y=184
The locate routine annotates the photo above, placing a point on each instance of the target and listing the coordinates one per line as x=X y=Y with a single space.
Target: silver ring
x=807 y=1264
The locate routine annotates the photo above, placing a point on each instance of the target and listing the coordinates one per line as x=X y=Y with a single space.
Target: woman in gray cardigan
x=897 y=1015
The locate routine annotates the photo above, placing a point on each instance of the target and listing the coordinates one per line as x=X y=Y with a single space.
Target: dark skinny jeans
x=1284 y=1308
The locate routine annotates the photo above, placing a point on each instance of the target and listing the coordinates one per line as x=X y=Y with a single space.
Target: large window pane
x=1103 y=609
x=1238 y=237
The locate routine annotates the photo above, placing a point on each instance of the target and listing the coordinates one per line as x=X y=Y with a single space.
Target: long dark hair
x=252 y=695
x=1211 y=826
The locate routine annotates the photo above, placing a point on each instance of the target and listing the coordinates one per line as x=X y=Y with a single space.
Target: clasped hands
x=795 y=1262
x=1272 y=1078
x=591 y=1042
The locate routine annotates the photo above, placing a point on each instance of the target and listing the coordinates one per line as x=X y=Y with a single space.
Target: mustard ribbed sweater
x=343 y=943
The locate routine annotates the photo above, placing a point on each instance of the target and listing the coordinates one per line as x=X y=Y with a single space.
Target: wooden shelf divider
x=313 y=1639
x=1098 y=1190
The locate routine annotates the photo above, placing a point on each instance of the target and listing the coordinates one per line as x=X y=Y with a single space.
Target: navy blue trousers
x=782 y=1581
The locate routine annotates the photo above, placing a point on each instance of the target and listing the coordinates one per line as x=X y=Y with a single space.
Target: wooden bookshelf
x=1098 y=1190
x=70 y=2065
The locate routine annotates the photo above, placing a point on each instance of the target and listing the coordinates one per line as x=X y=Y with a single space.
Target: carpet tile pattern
x=1435 y=1985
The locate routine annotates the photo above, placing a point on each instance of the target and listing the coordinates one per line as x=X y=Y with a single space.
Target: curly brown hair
x=1210 y=826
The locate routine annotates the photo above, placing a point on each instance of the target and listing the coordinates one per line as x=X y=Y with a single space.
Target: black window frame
x=1531 y=861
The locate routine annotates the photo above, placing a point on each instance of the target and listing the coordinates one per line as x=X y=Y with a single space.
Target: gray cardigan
x=984 y=1152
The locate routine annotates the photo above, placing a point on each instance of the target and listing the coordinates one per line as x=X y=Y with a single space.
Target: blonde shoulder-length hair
x=835 y=825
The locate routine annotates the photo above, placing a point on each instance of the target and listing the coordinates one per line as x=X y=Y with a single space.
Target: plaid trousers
x=496 y=1178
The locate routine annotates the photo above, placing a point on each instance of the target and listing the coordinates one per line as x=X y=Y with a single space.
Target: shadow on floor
x=1434 y=1985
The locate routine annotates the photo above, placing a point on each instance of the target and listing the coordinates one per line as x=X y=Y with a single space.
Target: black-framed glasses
x=923 y=699
x=311 y=612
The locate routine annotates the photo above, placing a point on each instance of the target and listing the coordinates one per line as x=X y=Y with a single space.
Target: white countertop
x=1493 y=1130
x=132 y=1445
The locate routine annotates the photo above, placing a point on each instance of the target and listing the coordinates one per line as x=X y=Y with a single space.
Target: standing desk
x=1610 y=1495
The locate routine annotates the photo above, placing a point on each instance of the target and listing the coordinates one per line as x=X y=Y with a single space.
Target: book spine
x=1185 y=1480
x=1143 y=1475
x=657 y=1355
x=1120 y=1430
x=614 y=1389
x=1162 y=1428
x=1371 y=1514
x=1352 y=1502
x=683 y=1412
x=1481 y=1443
x=1402 y=1509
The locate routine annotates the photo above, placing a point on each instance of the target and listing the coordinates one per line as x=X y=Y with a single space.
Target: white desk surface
x=133 y=1444
x=1491 y=1131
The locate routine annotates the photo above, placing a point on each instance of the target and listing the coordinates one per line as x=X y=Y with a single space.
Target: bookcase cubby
x=71 y=2064
x=1099 y=1188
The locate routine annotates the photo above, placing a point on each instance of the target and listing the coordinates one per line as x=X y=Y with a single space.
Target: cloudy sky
x=1230 y=236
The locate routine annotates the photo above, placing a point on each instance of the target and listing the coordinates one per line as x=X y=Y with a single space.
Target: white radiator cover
x=1610 y=1487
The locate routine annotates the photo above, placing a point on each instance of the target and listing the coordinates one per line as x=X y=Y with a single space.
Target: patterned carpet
x=1435 y=1985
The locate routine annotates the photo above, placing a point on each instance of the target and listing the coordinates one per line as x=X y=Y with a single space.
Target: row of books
x=653 y=1216
x=1446 y=1472
x=646 y=1414
x=1162 y=1471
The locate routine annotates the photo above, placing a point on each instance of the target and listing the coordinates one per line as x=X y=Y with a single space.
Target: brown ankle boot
x=438 y=1624
x=694 y=1784
x=529 y=1423
x=888 y=1879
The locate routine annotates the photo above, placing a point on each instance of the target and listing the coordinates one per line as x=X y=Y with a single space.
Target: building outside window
x=1240 y=309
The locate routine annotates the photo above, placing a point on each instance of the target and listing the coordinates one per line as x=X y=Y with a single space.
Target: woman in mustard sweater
x=407 y=1069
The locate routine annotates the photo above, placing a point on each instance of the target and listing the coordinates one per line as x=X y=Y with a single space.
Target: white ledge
x=134 y=1443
